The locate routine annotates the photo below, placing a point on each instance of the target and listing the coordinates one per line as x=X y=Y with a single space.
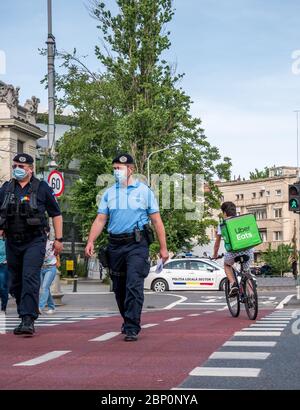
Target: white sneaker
x=50 y=311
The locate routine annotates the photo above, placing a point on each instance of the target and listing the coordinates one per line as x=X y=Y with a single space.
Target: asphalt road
x=188 y=341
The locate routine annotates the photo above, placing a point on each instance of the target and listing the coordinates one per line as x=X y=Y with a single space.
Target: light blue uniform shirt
x=128 y=207
x=2 y=252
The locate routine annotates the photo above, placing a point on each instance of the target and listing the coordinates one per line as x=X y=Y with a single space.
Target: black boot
x=28 y=326
x=18 y=329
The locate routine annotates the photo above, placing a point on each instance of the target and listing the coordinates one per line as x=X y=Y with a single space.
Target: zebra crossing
x=8 y=323
x=242 y=360
x=219 y=302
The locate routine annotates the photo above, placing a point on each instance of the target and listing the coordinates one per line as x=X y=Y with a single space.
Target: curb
x=293 y=302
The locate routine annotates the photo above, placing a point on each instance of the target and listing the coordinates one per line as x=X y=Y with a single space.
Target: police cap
x=23 y=159
x=124 y=159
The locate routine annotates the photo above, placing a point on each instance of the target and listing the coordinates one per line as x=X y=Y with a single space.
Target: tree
x=278 y=259
x=260 y=174
x=136 y=105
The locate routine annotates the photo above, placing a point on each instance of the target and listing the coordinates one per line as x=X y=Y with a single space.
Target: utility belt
x=125 y=238
x=24 y=236
x=136 y=236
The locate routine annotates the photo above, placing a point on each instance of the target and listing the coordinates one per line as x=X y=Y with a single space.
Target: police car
x=188 y=273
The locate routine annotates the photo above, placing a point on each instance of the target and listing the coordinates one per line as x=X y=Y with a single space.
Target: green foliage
x=278 y=259
x=259 y=174
x=135 y=105
x=42 y=118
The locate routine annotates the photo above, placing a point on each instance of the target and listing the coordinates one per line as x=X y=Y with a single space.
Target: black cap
x=124 y=159
x=23 y=158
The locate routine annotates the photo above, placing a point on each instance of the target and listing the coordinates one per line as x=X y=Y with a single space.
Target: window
x=278 y=213
x=198 y=265
x=263 y=235
x=260 y=214
x=278 y=172
x=278 y=192
x=253 y=195
x=278 y=236
x=261 y=194
x=237 y=197
x=268 y=193
x=20 y=147
x=177 y=265
x=242 y=196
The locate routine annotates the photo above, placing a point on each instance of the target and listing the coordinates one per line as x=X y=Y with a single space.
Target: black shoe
x=28 y=326
x=234 y=290
x=131 y=337
x=123 y=329
x=18 y=329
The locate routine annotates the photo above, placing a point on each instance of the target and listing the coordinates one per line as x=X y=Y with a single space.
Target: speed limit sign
x=57 y=183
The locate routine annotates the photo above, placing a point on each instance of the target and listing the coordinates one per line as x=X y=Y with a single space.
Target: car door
x=176 y=273
x=202 y=275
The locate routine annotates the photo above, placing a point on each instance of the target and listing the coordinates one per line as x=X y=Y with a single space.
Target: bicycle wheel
x=251 y=299
x=233 y=303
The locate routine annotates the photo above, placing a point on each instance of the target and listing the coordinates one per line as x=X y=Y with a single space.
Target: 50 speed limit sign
x=57 y=183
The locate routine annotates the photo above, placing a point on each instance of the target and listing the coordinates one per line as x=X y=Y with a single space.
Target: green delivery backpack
x=240 y=233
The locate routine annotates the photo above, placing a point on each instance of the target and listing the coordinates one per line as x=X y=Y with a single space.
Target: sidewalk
x=85 y=286
x=276 y=284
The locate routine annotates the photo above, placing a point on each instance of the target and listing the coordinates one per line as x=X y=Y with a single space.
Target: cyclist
x=229 y=211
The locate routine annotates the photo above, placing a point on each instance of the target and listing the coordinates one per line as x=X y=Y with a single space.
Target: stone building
x=18 y=129
x=267 y=199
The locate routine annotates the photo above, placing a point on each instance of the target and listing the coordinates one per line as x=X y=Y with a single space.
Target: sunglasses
x=18 y=166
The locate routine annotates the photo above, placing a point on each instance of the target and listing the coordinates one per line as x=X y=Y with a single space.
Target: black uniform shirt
x=46 y=200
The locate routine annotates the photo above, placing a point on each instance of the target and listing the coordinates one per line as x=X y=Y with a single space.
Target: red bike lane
x=161 y=359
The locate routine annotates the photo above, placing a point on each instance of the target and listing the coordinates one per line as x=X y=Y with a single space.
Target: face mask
x=19 y=174
x=120 y=175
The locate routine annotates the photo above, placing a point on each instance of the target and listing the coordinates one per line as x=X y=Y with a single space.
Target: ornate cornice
x=29 y=129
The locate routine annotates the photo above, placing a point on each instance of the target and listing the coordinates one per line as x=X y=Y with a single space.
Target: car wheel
x=159 y=285
x=222 y=285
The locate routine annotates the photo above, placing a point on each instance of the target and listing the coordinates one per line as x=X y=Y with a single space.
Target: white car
x=187 y=274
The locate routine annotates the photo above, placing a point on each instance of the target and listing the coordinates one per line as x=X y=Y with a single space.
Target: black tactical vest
x=18 y=217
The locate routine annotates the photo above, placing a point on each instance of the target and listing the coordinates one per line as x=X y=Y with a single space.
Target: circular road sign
x=57 y=183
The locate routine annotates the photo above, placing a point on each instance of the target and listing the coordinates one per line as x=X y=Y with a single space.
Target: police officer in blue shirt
x=23 y=203
x=128 y=204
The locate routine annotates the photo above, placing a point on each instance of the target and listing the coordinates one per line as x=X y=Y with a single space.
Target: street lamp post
x=298 y=174
x=155 y=152
x=56 y=289
x=51 y=84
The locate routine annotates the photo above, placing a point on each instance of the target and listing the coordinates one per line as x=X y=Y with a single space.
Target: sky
x=237 y=56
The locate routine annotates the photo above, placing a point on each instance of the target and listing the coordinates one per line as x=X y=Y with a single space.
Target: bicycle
x=247 y=293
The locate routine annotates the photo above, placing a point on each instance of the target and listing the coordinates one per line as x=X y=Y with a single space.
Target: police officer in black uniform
x=128 y=204
x=23 y=203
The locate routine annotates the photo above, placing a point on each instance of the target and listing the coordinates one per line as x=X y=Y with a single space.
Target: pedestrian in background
x=48 y=273
x=3 y=276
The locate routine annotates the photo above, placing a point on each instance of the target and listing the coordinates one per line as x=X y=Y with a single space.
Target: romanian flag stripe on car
x=194 y=283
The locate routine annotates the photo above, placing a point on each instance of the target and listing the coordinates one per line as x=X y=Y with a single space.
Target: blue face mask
x=19 y=174
x=120 y=175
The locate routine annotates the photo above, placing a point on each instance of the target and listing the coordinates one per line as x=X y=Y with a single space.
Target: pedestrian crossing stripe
x=8 y=323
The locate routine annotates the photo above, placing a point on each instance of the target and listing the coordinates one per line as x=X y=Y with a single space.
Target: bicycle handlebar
x=218 y=257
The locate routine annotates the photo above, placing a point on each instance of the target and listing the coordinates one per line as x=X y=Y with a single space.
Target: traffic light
x=294 y=197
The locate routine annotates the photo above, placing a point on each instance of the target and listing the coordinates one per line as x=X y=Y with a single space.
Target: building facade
x=18 y=129
x=267 y=199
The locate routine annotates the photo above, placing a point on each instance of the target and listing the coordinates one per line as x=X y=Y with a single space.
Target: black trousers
x=24 y=262
x=129 y=266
